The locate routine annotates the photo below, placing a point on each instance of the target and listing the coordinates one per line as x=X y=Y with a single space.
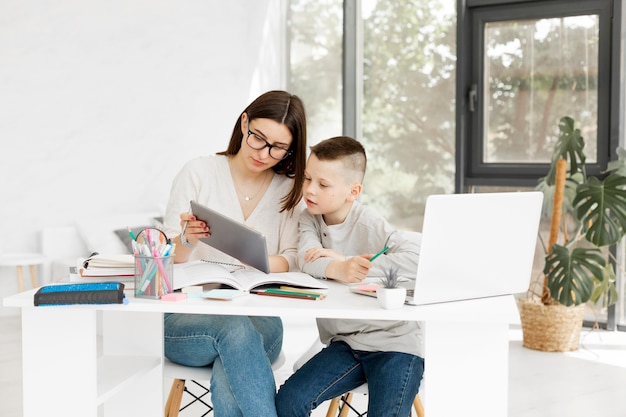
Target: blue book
x=80 y=293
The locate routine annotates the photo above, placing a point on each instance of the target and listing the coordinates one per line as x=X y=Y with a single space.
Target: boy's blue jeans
x=241 y=350
x=393 y=381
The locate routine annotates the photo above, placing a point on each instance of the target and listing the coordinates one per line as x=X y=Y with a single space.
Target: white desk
x=68 y=372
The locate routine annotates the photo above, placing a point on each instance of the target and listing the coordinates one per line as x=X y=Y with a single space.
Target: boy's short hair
x=344 y=148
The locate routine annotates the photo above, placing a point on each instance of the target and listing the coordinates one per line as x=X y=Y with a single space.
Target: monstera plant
x=576 y=270
x=588 y=216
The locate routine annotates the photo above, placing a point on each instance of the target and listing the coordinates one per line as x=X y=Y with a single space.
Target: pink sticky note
x=368 y=287
x=174 y=296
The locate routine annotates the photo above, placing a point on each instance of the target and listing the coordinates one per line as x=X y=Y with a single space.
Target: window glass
x=409 y=64
x=316 y=37
x=537 y=71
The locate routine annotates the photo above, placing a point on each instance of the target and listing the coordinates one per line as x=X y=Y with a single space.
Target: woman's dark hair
x=287 y=109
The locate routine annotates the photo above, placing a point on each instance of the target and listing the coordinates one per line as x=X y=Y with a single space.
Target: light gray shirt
x=363 y=231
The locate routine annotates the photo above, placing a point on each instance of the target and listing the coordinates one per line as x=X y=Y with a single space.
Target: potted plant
x=390 y=295
x=588 y=216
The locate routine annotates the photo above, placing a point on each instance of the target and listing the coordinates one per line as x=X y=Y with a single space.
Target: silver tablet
x=233 y=238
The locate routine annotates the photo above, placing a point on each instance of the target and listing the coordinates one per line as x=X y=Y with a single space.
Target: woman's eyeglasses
x=257 y=143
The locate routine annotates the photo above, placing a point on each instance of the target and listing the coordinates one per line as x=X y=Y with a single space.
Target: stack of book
x=105 y=268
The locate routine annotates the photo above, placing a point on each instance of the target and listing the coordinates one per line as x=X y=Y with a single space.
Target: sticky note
x=174 y=296
x=368 y=287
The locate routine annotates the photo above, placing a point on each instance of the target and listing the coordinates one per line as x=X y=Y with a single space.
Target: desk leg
x=59 y=359
x=466 y=369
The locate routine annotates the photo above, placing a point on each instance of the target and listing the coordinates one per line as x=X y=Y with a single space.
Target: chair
x=340 y=406
x=19 y=261
x=183 y=374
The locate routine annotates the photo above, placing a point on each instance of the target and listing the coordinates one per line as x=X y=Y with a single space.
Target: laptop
x=233 y=238
x=476 y=246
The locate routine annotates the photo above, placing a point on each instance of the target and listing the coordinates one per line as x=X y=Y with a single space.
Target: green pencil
x=294 y=293
x=132 y=235
x=385 y=249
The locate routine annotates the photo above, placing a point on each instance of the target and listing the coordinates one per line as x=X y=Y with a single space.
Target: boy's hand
x=315 y=253
x=354 y=269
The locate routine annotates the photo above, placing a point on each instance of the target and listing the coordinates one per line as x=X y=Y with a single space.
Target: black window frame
x=472 y=17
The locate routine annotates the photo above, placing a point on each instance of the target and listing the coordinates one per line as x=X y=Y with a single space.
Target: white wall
x=102 y=101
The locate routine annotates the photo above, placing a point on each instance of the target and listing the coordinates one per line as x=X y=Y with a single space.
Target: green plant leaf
x=548 y=191
x=572 y=275
x=605 y=291
x=570 y=146
x=601 y=208
x=391 y=278
x=618 y=166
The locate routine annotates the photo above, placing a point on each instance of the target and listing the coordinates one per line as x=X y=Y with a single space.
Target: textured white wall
x=102 y=101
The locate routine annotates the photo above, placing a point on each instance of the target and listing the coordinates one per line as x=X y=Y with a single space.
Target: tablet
x=233 y=238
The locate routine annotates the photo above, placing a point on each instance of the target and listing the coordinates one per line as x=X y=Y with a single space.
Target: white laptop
x=476 y=246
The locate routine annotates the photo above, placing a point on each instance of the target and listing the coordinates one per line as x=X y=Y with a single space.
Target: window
x=522 y=66
x=405 y=57
x=530 y=64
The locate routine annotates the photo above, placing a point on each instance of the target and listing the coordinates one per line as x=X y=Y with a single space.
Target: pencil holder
x=154 y=276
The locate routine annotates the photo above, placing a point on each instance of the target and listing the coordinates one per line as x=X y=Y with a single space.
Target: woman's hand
x=192 y=228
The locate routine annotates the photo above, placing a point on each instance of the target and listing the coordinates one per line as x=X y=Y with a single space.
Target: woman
x=258 y=181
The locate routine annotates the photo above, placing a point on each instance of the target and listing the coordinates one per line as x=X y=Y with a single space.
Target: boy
x=338 y=236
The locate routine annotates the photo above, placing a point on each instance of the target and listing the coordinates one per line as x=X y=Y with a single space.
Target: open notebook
x=475 y=246
x=206 y=273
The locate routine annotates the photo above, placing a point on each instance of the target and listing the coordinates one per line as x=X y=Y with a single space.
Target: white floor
x=589 y=382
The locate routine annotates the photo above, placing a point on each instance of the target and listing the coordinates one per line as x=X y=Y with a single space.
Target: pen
x=182 y=233
x=383 y=250
x=132 y=235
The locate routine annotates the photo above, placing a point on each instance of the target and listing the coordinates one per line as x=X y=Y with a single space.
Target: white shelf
x=117 y=373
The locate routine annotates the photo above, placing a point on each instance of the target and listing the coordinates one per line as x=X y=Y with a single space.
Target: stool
x=340 y=406
x=20 y=260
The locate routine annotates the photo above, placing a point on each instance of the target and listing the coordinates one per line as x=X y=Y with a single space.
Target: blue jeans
x=393 y=381
x=241 y=350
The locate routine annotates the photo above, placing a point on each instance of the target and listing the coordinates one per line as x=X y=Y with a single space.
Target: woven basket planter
x=553 y=328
